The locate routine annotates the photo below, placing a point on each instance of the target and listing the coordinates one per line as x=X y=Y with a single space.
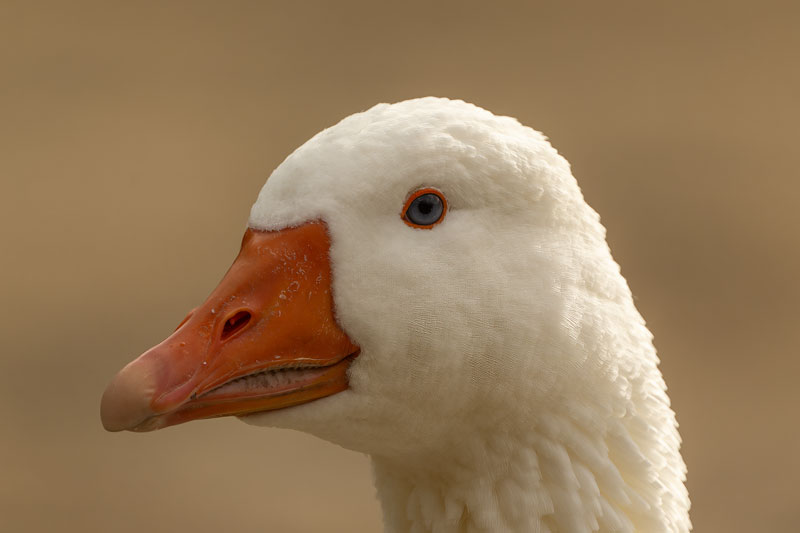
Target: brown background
x=134 y=137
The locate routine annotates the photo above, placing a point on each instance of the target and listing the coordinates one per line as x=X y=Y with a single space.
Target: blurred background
x=134 y=136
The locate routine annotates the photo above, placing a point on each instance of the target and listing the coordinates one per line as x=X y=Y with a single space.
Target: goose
x=424 y=283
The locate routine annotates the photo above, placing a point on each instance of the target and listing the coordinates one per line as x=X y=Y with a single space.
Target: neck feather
x=568 y=474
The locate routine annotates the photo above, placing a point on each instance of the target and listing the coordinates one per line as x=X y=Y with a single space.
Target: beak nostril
x=234 y=324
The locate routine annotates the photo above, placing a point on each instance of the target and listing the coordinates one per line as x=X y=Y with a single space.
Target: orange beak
x=265 y=339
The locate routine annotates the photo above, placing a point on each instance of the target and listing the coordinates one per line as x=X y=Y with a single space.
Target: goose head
x=424 y=282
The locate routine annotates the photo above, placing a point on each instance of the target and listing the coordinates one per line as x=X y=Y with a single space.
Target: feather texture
x=506 y=382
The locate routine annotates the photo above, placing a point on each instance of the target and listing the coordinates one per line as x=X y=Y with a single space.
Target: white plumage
x=506 y=382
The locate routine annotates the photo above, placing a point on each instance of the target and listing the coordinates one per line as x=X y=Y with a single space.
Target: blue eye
x=425 y=208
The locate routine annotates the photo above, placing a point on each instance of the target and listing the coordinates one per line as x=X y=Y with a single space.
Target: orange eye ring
x=413 y=205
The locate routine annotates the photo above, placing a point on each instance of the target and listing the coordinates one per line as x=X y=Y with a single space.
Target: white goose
x=431 y=276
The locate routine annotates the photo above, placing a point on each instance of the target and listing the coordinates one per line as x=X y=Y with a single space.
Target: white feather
x=506 y=381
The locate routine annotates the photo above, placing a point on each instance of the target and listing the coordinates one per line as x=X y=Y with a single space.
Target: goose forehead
x=381 y=155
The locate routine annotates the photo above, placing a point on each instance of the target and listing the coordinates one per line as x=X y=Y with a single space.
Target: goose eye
x=425 y=208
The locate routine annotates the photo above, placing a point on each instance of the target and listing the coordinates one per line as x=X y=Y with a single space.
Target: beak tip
x=126 y=400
